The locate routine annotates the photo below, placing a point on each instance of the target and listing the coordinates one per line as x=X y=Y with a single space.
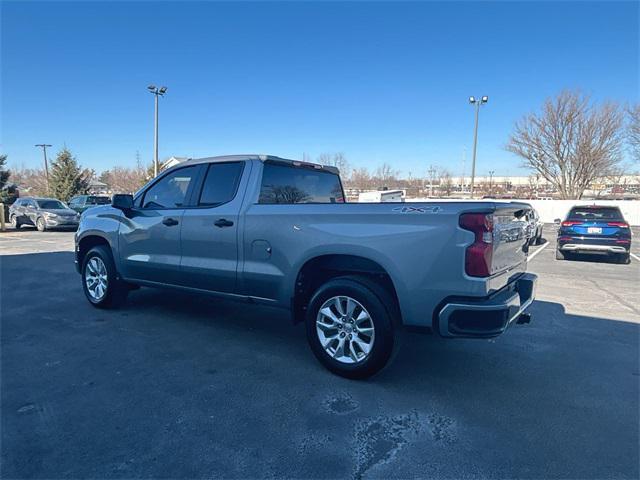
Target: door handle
x=170 y=222
x=223 y=222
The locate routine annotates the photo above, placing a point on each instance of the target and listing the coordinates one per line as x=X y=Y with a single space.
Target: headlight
x=50 y=215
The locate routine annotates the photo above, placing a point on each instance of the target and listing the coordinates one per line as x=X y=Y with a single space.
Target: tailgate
x=510 y=245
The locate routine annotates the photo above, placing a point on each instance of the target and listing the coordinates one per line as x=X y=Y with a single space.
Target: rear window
x=284 y=184
x=98 y=200
x=595 y=213
x=221 y=183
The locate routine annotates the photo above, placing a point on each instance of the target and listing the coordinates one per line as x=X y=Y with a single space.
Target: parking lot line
x=635 y=256
x=530 y=257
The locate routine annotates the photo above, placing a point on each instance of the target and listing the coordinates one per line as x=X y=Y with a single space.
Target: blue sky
x=380 y=82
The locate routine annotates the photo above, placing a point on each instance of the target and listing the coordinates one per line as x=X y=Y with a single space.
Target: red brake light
x=480 y=253
x=570 y=223
x=618 y=224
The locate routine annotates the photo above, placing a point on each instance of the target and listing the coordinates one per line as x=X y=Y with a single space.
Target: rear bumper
x=487 y=317
x=584 y=247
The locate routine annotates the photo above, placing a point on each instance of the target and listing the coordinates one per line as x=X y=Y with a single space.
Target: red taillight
x=480 y=253
x=618 y=224
x=569 y=223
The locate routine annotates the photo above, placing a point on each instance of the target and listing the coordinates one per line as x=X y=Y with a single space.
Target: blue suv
x=594 y=229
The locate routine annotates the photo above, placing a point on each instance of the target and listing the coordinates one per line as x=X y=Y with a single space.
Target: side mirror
x=557 y=221
x=122 y=201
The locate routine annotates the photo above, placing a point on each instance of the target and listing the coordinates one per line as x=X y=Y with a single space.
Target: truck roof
x=262 y=158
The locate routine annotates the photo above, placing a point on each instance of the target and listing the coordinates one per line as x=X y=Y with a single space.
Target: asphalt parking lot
x=181 y=386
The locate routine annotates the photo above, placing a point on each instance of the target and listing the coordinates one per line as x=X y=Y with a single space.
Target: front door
x=210 y=229
x=150 y=234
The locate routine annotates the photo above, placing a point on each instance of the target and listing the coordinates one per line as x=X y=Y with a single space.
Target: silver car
x=43 y=213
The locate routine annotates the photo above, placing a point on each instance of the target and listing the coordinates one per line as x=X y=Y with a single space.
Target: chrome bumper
x=487 y=317
x=572 y=247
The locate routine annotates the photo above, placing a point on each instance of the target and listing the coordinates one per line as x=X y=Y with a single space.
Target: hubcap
x=345 y=329
x=95 y=278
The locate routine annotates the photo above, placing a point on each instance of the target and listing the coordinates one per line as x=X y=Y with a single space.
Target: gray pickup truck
x=278 y=232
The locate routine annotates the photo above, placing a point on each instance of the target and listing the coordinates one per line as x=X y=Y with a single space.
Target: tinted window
x=595 y=213
x=171 y=190
x=221 y=183
x=98 y=200
x=51 y=204
x=283 y=184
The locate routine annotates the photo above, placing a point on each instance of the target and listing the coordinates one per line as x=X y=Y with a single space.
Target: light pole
x=477 y=102
x=46 y=164
x=157 y=92
x=491 y=172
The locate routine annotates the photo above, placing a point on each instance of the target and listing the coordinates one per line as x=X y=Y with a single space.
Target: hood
x=59 y=211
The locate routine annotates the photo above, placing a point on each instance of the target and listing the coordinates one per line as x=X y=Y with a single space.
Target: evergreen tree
x=4 y=178
x=4 y=174
x=67 y=179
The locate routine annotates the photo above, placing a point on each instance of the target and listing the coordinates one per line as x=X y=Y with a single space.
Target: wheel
x=623 y=258
x=539 y=238
x=41 y=224
x=350 y=326
x=559 y=254
x=15 y=223
x=100 y=280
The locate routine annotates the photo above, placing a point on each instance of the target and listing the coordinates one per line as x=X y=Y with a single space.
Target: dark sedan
x=594 y=229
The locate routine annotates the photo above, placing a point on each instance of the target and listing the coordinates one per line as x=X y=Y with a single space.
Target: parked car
x=83 y=202
x=43 y=213
x=594 y=229
x=278 y=232
x=534 y=227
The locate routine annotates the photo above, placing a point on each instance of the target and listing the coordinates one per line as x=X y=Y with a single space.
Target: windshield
x=595 y=213
x=51 y=204
x=98 y=200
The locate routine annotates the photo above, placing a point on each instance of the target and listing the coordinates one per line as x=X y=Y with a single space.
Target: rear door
x=210 y=228
x=149 y=238
x=30 y=214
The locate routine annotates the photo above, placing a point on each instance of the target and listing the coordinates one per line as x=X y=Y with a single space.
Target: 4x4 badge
x=407 y=209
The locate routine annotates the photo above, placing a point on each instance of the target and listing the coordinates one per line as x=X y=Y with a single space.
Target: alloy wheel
x=345 y=329
x=95 y=277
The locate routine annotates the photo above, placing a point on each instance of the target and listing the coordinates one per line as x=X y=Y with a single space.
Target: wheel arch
x=319 y=269
x=87 y=242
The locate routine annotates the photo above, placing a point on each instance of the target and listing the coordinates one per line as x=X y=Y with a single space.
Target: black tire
x=383 y=314
x=41 y=225
x=539 y=239
x=15 y=223
x=559 y=254
x=623 y=258
x=116 y=289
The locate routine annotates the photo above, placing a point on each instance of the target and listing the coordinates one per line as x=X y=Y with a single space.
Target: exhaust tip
x=524 y=318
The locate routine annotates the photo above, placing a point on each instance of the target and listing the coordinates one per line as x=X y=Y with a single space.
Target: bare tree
x=123 y=179
x=445 y=182
x=571 y=142
x=360 y=179
x=633 y=130
x=385 y=174
x=337 y=160
x=31 y=181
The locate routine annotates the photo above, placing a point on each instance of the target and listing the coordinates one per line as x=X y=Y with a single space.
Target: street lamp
x=431 y=171
x=156 y=92
x=46 y=164
x=491 y=172
x=477 y=102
